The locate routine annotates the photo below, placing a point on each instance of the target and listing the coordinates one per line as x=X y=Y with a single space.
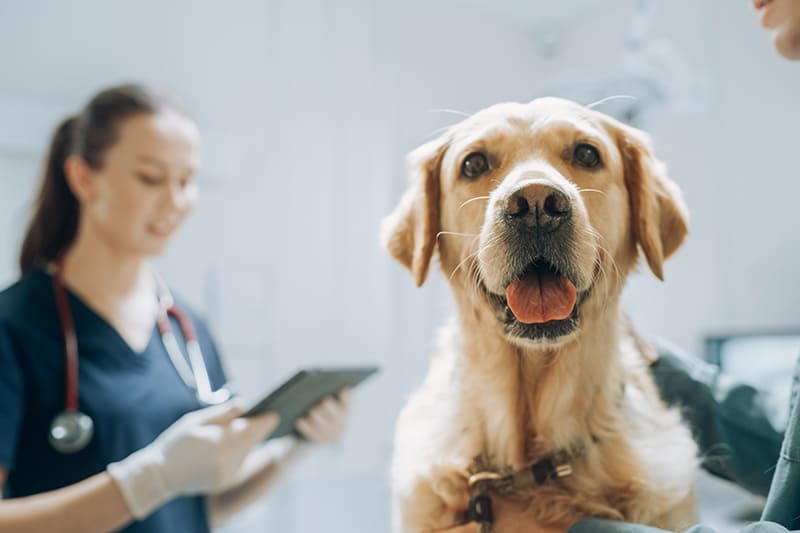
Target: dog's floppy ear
x=409 y=232
x=659 y=216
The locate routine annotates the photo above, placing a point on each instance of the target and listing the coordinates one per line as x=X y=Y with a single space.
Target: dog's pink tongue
x=540 y=297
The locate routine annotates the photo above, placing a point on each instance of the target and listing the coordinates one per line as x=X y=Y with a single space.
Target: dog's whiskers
x=595 y=236
x=459 y=265
x=608 y=281
x=456 y=234
x=609 y=99
x=473 y=199
x=476 y=275
x=594 y=190
x=613 y=262
x=451 y=111
x=475 y=278
x=604 y=277
x=439 y=131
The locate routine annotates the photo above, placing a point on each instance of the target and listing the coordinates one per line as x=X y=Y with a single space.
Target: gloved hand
x=325 y=422
x=201 y=453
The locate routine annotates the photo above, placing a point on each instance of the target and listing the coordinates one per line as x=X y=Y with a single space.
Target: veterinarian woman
x=108 y=443
x=724 y=415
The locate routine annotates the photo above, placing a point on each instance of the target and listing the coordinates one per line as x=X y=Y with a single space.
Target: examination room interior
x=307 y=110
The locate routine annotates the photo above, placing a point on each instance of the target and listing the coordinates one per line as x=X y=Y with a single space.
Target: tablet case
x=301 y=392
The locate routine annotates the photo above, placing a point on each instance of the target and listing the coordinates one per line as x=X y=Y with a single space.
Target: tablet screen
x=306 y=388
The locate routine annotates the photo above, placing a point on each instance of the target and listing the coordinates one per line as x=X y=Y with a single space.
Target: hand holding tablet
x=294 y=398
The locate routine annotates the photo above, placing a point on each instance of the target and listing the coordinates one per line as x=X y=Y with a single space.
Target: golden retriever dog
x=537 y=390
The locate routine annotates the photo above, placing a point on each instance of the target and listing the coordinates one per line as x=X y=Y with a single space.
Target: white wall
x=307 y=109
x=735 y=163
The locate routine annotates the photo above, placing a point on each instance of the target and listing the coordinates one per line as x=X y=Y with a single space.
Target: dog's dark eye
x=586 y=155
x=474 y=165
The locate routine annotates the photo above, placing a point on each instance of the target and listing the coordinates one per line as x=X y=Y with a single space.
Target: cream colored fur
x=506 y=401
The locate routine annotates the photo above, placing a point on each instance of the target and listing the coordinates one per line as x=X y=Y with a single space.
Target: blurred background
x=307 y=109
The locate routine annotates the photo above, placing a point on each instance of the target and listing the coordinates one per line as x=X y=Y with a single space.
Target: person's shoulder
x=24 y=295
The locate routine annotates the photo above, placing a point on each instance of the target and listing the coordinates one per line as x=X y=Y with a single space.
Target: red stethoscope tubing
x=186 y=324
x=71 y=342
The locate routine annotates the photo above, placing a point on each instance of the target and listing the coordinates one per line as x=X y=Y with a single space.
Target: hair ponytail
x=55 y=218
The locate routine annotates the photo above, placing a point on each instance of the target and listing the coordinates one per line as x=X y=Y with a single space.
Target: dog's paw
x=435 y=500
x=451 y=484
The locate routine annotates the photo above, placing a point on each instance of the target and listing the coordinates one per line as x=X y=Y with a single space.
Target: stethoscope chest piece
x=70 y=431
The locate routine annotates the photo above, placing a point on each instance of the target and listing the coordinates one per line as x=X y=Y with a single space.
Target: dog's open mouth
x=541 y=294
x=541 y=302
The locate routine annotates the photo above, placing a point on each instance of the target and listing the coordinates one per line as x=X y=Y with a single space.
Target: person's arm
x=262 y=469
x=201 y=453
x=93 y=505
x=728 y=418
x=510 y=517
x=474 y=527
x=783 y=501
x=508 y=520
x=609 y=526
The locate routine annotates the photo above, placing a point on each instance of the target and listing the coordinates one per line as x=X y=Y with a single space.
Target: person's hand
x=509 y=517
x=325 y=422
x=201 y=453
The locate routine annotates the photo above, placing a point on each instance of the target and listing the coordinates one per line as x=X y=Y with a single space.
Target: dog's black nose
x=540 y=205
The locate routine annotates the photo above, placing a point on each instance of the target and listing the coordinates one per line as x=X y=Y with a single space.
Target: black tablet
x=301 y=392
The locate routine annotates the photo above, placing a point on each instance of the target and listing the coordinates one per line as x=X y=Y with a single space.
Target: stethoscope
x=72 y=430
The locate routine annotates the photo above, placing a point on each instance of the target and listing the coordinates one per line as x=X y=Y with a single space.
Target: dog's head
x=542 y=207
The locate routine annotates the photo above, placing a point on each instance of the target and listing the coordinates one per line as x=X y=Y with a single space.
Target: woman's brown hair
x=88 y=134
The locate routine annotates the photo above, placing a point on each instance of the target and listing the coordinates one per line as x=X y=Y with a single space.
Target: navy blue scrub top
x=132 y=397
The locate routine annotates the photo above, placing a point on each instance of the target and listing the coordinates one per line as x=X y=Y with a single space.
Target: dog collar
x=552 y=467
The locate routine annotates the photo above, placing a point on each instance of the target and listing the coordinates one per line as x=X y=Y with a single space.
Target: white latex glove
x=326 y=421
x=201 y=453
